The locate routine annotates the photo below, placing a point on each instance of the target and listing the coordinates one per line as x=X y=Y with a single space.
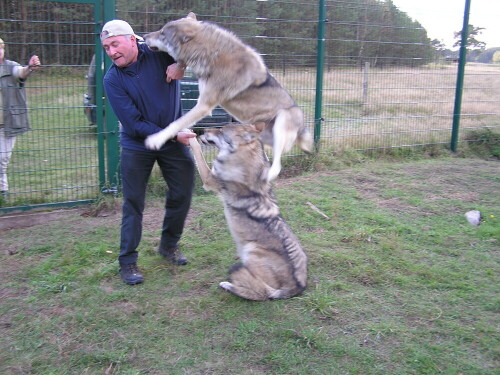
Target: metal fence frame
x=107 y=125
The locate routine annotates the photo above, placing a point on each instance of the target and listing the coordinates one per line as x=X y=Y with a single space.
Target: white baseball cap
x=116 y=28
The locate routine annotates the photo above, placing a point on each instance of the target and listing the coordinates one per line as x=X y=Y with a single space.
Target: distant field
x=397 y=107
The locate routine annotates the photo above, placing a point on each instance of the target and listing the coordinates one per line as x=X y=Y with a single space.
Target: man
x=143 y=91
x=13 y=109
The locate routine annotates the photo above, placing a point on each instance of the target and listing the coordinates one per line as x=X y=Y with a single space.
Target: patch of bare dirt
x=29 y=219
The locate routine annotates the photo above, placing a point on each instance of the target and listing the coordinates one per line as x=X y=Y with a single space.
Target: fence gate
x=69 y=157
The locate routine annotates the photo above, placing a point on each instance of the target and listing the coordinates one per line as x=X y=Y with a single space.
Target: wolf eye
x=227 y=138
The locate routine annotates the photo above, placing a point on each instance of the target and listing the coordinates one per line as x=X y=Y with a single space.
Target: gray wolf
x=230 y=74
x=273 y=263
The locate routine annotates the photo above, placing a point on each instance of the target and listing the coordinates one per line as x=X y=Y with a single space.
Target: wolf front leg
x=209 y=183
x=198 y=112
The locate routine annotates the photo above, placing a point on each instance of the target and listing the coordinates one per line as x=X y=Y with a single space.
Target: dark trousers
x=177 y=167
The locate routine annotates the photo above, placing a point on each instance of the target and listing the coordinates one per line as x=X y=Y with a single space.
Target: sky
x=441 y=18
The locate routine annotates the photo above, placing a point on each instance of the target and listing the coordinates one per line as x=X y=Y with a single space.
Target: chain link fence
x=56 y=163
x=384 y=83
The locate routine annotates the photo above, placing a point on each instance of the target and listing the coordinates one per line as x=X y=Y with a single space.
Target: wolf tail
x=305 y=140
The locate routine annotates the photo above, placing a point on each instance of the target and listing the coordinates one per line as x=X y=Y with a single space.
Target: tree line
x=285 y=32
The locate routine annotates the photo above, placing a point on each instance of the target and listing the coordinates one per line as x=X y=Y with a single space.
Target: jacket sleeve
x=131 y=119
x=16 y=72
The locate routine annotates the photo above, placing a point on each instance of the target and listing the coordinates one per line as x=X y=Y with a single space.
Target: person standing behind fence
x=14 y=111
x=143 y=89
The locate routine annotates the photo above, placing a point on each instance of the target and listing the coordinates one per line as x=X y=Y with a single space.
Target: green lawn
x=399 y=283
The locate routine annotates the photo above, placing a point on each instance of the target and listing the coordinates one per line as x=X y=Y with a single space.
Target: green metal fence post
x=460 y=78
x=101 y=149
x=319 y=73
x=111 y=121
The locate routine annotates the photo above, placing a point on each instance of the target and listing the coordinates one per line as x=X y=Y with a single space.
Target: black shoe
x=174 y=256
x=130 y=274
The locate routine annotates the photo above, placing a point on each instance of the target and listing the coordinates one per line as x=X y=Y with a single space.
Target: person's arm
x=175 y=71
x=33 y=64
x=184 y=135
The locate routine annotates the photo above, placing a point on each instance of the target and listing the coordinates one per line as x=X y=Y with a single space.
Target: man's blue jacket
x=141 y=98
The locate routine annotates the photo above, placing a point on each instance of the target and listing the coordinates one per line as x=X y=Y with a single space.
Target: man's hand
x=183 y=136
x=34 y=62
x=175 y=71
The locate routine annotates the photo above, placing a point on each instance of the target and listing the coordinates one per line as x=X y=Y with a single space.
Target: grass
x=399 y=283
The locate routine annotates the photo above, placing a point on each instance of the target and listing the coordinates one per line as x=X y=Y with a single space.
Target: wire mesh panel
x=481 y=98
x=57 y=160
x=388 y=85
x=385 y=82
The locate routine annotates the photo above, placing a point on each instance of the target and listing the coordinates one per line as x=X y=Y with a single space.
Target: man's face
x=121 y=49
x=2 y=53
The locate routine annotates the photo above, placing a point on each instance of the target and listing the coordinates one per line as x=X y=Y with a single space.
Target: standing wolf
x=273 y=264
x=232 y=75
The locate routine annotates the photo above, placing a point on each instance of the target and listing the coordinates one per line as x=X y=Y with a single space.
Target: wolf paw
x=155 y=141
x=226 y=285
x=273 y=173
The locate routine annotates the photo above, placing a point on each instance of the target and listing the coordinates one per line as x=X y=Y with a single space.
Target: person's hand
x=34 y=62
x=175 y=71
x=183 y=136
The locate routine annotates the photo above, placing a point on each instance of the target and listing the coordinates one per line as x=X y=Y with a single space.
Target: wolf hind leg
x=245 y=285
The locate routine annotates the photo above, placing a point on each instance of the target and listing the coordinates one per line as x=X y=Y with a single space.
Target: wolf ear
x=260 y=126
x=192 y=16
